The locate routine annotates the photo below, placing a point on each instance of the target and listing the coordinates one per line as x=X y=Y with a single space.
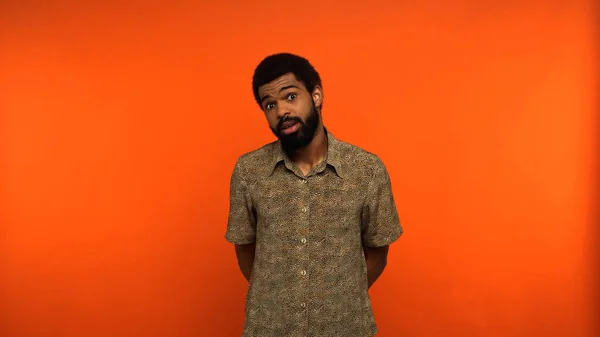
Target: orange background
x=121 y=123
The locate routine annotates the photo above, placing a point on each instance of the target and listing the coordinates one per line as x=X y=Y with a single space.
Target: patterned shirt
x=309 y=276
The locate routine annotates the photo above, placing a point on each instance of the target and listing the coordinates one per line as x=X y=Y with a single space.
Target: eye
x=292 y=97
x=269 y=106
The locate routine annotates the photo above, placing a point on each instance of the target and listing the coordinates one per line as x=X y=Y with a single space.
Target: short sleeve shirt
x=309 y=276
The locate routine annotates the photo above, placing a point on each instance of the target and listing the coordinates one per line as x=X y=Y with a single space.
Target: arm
x=245 y=258
x=241 y=225
x=376 y=261
x=380 y=222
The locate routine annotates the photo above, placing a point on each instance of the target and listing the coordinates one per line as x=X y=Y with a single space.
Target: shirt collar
x=333 y=156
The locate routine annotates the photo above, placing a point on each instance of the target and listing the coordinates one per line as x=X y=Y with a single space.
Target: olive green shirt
x=309 y=276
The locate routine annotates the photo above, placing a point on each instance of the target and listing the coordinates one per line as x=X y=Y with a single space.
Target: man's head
x=288 y=90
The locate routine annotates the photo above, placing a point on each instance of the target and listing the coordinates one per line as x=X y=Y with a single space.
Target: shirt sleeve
x=241 y=223
x=380 y=221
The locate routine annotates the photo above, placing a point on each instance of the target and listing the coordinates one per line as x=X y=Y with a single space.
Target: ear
x=317 y=96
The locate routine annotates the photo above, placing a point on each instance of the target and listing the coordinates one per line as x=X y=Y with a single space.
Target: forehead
x=273 y=87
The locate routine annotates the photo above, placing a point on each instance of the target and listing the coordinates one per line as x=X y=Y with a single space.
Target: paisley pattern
x=309 y=276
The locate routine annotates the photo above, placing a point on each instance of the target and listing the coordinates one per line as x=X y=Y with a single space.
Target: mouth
x=289 y=127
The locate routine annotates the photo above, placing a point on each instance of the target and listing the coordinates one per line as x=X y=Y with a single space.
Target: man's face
x=291 y=111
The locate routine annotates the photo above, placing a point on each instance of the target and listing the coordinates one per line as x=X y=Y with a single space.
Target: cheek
x=306 y=107
x=272 y=119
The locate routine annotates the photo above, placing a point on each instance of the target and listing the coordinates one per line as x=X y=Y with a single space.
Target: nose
x=282 y=110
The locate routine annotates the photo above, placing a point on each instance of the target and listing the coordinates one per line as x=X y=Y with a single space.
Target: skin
x=286 y=96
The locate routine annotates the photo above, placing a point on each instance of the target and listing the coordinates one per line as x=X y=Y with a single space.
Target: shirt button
x=304 y=209
x=303 y=272
x=304 y=181
x=303 y=305
x=303 y=240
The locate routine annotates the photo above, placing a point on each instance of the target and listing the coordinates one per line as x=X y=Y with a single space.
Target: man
x=311 y=216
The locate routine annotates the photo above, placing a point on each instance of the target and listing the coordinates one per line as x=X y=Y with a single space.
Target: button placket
x=303 y=237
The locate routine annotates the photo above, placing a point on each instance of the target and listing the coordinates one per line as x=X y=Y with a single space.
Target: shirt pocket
x=342 y=240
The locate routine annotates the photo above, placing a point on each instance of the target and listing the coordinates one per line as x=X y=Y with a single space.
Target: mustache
x=288 y=119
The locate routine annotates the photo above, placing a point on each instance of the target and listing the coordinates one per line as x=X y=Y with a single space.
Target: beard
x=303 y=136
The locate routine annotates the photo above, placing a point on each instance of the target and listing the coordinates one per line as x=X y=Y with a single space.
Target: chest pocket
x=279 y=209
x=336 y=216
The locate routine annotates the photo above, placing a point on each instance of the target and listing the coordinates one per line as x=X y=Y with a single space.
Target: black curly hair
x=277 y=65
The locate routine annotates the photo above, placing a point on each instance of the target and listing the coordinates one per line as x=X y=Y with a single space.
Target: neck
x=313 y=153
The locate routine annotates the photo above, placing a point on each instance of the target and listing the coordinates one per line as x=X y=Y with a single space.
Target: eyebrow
x=280 y=90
